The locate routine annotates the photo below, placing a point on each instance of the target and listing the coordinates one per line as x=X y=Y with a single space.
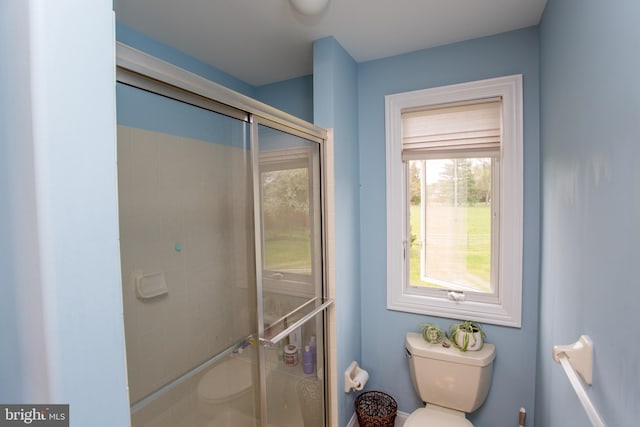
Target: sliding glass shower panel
x=188 y=263
x=292 y=278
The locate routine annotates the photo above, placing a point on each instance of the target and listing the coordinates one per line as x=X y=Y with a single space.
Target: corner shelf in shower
x=278 y=366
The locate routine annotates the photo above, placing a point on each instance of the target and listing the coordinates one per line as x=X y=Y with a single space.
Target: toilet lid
x=226 y=380
x=427 y=417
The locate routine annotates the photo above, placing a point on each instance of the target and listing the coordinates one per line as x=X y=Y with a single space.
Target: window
x=286 y=224
x=290 y=207
x=454 y=201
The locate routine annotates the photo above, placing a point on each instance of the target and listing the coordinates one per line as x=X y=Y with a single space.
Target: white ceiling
x=265 y=41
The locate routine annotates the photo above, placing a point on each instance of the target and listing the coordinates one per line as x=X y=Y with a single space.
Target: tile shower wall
x=183 y=212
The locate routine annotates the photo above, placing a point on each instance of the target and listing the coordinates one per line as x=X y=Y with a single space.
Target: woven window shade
x=471 y=128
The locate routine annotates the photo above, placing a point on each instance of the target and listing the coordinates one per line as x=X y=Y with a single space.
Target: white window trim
x=506 y=308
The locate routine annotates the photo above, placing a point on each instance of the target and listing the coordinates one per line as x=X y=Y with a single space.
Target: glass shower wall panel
x=292 y=278
x=187 y=254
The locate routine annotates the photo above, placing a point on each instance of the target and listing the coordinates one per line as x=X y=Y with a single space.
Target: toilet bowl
x=451 y=382
x=229 y=383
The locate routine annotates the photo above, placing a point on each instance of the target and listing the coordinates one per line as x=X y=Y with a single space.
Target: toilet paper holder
x=355 y=378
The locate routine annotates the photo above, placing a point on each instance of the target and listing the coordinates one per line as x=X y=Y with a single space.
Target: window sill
x=491 y=313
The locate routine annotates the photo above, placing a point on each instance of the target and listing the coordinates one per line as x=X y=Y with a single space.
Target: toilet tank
x=449 y=377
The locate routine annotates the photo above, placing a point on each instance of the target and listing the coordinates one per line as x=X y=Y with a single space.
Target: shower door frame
x=138 y=69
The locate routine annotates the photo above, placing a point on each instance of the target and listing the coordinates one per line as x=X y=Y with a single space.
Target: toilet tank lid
x=417 y=346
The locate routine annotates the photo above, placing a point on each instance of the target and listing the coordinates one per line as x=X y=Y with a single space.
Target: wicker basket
x=376 y=409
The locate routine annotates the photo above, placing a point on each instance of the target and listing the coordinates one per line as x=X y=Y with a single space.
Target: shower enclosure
x=222 y=251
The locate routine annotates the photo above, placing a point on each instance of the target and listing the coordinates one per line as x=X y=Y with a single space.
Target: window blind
x=467 y=129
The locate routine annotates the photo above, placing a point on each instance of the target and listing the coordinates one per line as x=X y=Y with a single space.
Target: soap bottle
x=312 y=347
x=307 y=360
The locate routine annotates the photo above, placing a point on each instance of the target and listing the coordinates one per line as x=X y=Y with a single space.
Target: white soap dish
x=149 y=285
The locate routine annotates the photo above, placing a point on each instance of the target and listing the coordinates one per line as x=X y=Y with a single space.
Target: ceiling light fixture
x=309 y=7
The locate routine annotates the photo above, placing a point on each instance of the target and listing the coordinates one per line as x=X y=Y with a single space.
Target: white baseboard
x=400 y=419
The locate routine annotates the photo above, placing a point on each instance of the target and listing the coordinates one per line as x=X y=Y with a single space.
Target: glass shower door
x=188 y=262
x=291 y=290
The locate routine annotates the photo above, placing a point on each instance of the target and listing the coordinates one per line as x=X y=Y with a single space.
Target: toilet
x=228 y=385
x=451 y=382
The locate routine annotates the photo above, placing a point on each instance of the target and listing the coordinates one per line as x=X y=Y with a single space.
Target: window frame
x=503 y=307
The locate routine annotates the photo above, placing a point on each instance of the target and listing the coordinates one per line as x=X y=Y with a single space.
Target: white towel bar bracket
x=580 y=354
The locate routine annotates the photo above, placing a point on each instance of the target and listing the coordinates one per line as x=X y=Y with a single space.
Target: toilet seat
x=225 y=381
x=433 y=417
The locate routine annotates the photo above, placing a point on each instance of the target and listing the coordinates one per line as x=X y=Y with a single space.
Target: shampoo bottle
x=312 y=347
x=307 y=361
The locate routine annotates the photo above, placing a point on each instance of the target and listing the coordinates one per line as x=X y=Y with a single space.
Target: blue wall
x=591 y=204
x=383 y=331
x=65 y=297
x=335 y=106
x=294 y=96
x=151 y=46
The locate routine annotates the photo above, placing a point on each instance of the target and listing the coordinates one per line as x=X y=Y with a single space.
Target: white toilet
x=452 y=383
x=228 y=385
